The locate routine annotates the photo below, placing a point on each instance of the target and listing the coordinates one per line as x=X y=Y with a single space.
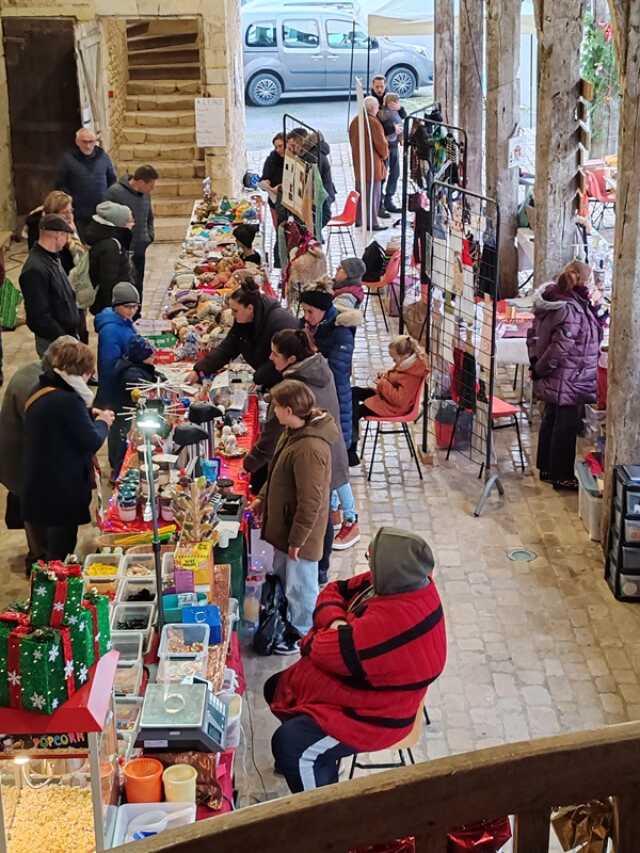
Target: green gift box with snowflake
x=37 y=670
x=56 y=594
x=82 y=644
x=98 y=607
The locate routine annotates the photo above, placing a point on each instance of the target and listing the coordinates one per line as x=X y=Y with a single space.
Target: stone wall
x=114 y=40
x=7 y=207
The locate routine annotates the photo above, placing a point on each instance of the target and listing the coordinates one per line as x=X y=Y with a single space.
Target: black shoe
x=354 y=459
x=570 y=485
x=390 y=206
x=323 y=578
x=545 y=477
x=382 y=214
x=379 y=227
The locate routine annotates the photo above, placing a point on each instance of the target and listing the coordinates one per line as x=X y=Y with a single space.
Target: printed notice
x=210 y=123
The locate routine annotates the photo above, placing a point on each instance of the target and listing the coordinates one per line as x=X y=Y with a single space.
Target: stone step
x=162 y=42
x=182 y=169
x=172 y=187
x=159 y=72
x=165 y=85
x=166 y=58
x=161 y=103
x=171 y=229
x=150 y=152
x=157 y=135
x=160 y=118
x=172 y=206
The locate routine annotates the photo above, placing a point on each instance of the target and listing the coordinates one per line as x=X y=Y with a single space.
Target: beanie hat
x=110 y=213
x=353 y=267
x=139 y=349
x=400 y=561
x=322 y=299
x=245 y=234
x=124 y=293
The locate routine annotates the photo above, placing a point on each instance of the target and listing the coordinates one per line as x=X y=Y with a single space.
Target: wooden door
x=91 y=82
x=44 y=106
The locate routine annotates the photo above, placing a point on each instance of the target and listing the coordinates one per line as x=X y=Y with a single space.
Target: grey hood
x=313 y=371
x=401 y=561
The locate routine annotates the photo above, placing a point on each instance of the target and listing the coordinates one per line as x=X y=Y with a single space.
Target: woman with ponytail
x=564 y=345
x=395 y=390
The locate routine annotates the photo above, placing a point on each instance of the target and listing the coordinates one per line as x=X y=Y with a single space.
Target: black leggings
x=358 y=411
x=61 y=541
x=557 y=441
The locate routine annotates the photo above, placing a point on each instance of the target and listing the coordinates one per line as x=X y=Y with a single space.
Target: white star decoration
x=37 y=654
x=73 y=620
x=68 y=669
x=59 y=606
x=83 y=674
x=55 y=704
x=109 y=645
x=40 y=590
x=97 y=637
x=37 y=701
x=14 y=678
x=54 y=651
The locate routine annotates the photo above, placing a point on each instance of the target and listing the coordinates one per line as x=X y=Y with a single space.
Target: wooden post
x=623 y=401
x=559 y=26
x=502 y=116
x=443 y=85
x=531 y=831
x=470 y=100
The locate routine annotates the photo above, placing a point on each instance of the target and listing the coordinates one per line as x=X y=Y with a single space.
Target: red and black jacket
x=363 y=682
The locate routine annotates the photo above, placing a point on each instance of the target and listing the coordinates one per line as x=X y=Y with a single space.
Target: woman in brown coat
x=294 y=501
x=376 y=151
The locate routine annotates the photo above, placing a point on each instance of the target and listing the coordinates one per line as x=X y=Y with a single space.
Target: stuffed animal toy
x=305 y=269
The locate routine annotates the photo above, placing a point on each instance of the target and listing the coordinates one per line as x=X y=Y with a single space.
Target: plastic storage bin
x=184 y=641
x=130 y=587
x=105 y=560
x=128 y=709
x=129 y=811
x=104 y=586
x=624 y=586
x=632 y=530
x=207 y=614
x=175 y=670
x=173 y=604
x=129 y=644
x=139 y=616
x=589 y=501
x=138 y=566
x=128 y=679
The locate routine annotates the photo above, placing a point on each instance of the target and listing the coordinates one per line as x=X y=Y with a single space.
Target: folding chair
x=375 y=288
x=404 y=421
x=343 y=224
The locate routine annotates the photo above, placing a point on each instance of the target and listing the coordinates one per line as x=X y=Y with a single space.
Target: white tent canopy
x=417 y=18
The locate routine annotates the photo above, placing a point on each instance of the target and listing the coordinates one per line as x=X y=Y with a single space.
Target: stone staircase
x=159 y=127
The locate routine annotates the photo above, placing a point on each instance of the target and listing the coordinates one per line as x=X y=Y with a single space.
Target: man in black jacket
x=85 y=172
x=379 y=90
x=109 y=239
x=49 y=300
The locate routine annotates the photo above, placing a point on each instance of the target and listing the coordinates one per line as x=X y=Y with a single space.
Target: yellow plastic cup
x=180 y=783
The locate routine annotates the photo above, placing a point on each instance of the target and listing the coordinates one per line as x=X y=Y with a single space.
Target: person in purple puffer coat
x=564 y=344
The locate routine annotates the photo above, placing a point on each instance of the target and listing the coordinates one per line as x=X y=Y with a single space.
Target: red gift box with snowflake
x=37 y=670
x=56 y=594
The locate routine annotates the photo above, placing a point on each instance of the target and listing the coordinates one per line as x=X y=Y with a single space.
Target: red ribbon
x=13 y=663
x=94 y=618
x=13 y=616
x=59 y=597
x=67 y=654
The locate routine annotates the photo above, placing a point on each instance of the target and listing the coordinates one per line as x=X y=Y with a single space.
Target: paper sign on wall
x=210 y=123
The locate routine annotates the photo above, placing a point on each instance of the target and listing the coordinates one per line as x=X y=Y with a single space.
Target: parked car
x=297 y=49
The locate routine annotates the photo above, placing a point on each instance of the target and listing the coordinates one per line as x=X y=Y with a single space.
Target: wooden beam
x=502 y=116
x=559 y=36
x=471 y=75
x=531 y=831
x=623 y=402
x=421 y=799
x=443 y=80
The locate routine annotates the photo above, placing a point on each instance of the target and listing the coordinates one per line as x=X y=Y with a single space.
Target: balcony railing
x=523 y=779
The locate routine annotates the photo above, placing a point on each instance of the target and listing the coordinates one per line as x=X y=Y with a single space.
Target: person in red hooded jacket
x=377 y=642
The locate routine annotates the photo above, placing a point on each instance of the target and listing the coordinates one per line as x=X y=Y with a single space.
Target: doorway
x=44 y=105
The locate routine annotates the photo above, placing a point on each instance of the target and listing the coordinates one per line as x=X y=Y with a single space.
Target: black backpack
x=374 y=260
x=272 y=622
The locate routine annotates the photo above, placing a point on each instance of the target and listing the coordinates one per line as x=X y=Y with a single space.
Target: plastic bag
x=272 y=622
x=10 y=298
x=485 y=836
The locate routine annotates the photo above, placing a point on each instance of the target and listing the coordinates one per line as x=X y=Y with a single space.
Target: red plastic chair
x=499 y=409
x=404 y=421
x=375 y=288
x=600 y=197
x=342 y=224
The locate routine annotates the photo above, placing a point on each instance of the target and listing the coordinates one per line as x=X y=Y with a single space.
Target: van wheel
x=402 y=82
x=264 y=90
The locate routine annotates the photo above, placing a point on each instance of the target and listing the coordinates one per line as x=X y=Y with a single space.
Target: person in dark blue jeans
x=391 y=120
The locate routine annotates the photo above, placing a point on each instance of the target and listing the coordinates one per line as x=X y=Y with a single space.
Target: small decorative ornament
x=59 y=606
x=72 y=620
x=83 y=674
x=97 y=637
x=109 y=645
x=37 y=700
x=54 y=651
x=55 y=704
x=37 y=654
x=40 y=591
x=14 y=678
x=68 y=669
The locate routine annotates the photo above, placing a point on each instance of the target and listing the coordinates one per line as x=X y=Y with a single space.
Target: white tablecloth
x=512 y=351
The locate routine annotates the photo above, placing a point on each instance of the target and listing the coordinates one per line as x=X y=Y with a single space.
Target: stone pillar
x=7 y=199
x=559 y=26
x=224 y=79
x=470 y=99
x=623 y=402
x=503 y=113
x=443 y=81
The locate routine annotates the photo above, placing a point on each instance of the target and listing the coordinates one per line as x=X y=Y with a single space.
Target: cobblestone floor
x=535 y=648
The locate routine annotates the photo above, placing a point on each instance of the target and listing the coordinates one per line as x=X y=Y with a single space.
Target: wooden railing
x=523 y=779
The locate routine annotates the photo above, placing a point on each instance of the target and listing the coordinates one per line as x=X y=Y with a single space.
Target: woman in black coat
x=256 y=320
x=108 y=236
x=62 y=434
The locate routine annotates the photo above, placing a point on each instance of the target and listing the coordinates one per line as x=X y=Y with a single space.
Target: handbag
x=273 y=625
